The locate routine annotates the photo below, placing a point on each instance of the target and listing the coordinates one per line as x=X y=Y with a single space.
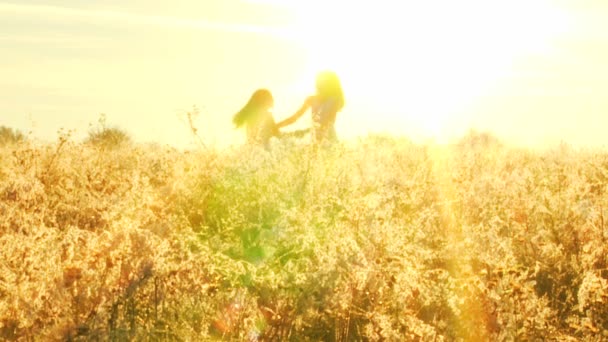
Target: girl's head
x=261 y=100
x=329 y=87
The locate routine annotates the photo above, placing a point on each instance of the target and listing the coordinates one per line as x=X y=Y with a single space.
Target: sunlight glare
x=426 y=61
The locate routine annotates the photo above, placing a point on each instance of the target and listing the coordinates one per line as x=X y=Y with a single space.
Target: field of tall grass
x=375 y=239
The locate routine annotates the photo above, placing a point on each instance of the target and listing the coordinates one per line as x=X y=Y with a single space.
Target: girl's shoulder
x=327 y=103
x=311 y=100
x=267 y=116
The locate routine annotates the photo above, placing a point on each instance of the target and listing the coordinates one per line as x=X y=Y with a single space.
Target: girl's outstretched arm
x=296 y=115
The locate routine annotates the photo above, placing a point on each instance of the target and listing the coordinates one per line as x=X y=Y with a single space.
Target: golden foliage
x=380 y=239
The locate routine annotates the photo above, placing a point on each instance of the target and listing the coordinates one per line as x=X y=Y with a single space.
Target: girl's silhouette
x=324 y=105
x=257 y=118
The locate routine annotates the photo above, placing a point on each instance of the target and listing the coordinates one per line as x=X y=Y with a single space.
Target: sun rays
x=428 y=61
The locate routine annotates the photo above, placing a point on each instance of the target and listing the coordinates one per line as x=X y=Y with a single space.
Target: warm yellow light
x=422 y=60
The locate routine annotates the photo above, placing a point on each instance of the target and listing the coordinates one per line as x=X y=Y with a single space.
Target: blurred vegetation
x=10 y=136
x=107 y=137
x=379 y=239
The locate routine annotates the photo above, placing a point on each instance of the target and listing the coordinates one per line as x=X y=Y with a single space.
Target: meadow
x=374 y=239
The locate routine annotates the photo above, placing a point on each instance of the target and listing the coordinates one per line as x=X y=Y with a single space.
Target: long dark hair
x=329 y=87
x=260 y=99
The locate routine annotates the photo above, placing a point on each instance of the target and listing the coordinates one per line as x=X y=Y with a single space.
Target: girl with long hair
x=257 y=118
x=324 y=105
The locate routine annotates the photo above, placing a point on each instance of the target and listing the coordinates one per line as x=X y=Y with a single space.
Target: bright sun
x=423 y=60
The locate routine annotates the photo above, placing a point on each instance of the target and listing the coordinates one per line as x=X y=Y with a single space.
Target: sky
x=532 y=72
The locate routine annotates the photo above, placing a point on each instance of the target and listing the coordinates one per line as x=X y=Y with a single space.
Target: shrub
x=107 y=137
x=10 y=136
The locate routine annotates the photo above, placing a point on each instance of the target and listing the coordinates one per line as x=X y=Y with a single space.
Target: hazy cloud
x=50 y=13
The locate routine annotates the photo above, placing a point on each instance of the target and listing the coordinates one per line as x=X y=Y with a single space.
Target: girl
x=256 y=116
x=324 y=105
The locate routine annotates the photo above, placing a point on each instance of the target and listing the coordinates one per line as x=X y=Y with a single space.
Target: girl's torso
x=323 y=111
x=261 y=129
